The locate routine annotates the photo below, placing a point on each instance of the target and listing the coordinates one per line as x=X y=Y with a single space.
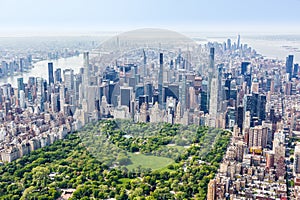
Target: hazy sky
x=82 y=16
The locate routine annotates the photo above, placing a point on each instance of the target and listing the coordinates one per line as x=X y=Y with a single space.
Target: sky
x=83 y=16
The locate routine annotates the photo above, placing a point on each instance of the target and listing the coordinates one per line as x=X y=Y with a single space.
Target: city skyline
x=82 y=17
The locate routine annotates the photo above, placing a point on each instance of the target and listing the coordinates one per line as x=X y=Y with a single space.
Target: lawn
x=146 y=161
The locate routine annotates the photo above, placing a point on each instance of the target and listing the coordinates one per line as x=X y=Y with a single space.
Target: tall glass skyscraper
x=50 y=73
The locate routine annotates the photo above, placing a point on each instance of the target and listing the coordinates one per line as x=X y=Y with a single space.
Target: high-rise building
x=229 y=44
x=238 y=42
x=125 y=96
x=69 y=79
x=22 y=99
x=213 y=103
x=160 y=79
x=50 y=73
x=20 y=85
x=296 y=69
x=86 y=73
x=244 y=67
x=289 y=65
x=211 y=74
x=240 y=117
x=58 y=75
x=145 y=64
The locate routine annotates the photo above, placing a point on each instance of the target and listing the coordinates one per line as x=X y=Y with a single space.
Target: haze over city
x=69 y=17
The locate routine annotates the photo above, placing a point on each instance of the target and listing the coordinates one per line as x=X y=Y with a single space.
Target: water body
x=278 y=47
x=270 y=46
x=41 y=69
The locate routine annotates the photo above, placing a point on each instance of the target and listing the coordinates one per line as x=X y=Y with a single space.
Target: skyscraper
x=145 y=64
x=20 y=85
x=86 y=73
x=125 y=96
x=58 y=75
x=238 y=42
x=296 y=69
x=289 y=65
x=69 y=79
x=228 y=44
x=211 y=72
x=160 y=79
x=50 y=73
x=244 y=66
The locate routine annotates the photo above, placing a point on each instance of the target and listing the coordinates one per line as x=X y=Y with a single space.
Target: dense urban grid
x=220 y=85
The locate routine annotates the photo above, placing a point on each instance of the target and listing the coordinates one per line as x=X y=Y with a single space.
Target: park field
x=148 y=161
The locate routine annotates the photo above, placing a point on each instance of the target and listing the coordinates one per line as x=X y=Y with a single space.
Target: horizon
x=32 y=17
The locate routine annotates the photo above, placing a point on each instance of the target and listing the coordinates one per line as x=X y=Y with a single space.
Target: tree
x=40 y=176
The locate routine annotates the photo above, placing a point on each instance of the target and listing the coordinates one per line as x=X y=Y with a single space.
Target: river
x=41 y=69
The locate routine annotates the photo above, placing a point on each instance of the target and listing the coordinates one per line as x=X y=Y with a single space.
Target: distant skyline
x=86 y=16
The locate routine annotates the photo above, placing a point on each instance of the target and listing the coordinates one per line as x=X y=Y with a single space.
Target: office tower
x=212 y=58
x=125 y=95
x=20 y=85
x=22 y=64
x=69 y=79
x=143 y=99
x=139 y=91
x=244 y=67
x=183 y=92
x=296 y=69
x=288 y=88
x=192 y=104
x=160 y=79
x=289 y=65
x=254 y=87
x=93 y=94
x=145 y=73
x=54 y=102
x=4 y=68
x=22 y=99
x=62 y=94
x=211 y=190
x=220 y=90
x=203 y=101
x=149 y=91
x=297 y=160
x=240 y=117
x=86 y=73
x=213 y=103
x=50 y=73
x=229 y=44
x=58 y=75
x=261 y=107
x=238 y=42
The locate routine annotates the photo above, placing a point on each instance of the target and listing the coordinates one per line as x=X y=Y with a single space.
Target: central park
x=122 y=160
